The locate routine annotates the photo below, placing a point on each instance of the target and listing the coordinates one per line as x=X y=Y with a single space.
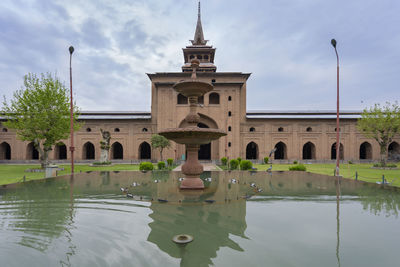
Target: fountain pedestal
x=192 y=169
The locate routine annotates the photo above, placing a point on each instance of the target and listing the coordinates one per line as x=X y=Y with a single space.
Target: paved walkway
x=207 y=167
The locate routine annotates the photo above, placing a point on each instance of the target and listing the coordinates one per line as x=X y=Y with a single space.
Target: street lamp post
x=333 y=42
x=71 y=148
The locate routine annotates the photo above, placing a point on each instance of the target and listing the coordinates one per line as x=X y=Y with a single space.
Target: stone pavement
x=206 y=166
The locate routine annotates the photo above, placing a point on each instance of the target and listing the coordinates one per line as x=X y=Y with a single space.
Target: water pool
x=240 y=219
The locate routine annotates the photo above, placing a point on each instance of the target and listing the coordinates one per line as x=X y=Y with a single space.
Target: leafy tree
x=40 y=113
x=160 y=142
x=381 y=123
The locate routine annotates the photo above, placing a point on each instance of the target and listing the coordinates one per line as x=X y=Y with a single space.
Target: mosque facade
x=296 y=135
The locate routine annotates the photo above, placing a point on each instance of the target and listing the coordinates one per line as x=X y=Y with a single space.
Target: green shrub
x=246 y=165
x=234 y=163
x=146 y=166
x=295 y=162
x=350 y=162
x=239 y=159
x=299 y=167
x=161 y=165
x=101 y=163
x=266 y=160
x=224 y=161
x=170 y=162
x=388 y=165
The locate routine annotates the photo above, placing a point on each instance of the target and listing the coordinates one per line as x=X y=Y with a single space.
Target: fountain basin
x=193 y=88
x=194 y=136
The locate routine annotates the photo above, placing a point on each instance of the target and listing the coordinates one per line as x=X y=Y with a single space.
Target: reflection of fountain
x=192 y=136
x=212 y=226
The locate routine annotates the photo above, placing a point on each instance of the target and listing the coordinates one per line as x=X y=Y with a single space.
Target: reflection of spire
x=198 y=35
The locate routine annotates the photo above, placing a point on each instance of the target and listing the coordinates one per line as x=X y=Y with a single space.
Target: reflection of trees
x=211 y=226
x=41 y=210
x=378 y=200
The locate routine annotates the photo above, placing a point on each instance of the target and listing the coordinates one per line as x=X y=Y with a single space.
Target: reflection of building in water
x=211 y=225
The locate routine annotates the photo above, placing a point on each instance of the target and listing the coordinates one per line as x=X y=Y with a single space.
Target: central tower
x=199 y=50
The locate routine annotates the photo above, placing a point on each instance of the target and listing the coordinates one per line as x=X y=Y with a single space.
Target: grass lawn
x=365 y=172
x=15 y=173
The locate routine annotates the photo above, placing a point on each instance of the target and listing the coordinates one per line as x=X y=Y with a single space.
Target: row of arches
x=88 y=151
x=309 y=151
x=252 y=151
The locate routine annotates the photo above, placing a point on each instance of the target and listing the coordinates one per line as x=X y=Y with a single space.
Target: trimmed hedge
x=161 y=165
x=299 y=167
x=224 y=161
x=246 y=165
x=234 y=163
x=170 y=162
x=146 y=166
x=266 y=160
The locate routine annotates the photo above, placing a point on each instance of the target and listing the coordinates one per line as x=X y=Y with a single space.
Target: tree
x=381 y=123
x=160 y=142
x=40 y=113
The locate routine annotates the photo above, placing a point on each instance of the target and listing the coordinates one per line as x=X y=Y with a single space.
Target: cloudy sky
x=285 y=44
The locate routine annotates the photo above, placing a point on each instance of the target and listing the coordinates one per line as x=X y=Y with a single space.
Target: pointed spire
x=198 y=35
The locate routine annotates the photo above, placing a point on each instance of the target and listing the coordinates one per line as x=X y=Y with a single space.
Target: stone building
x=302 y=135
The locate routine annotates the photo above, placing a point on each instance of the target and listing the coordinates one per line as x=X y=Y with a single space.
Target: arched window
x=229 y=144
x=31 y=152
x=213 y=99
x=280 y=129
x=394 y=151
x=309 y=129
x=229 y=128
x=229 y=98
x=252 y=129
x=145 y=130
x=88 y=151
x=144 y=151
x=5 y=151
x=333 y=151
x=199 y=57
x=280 y=152
x=206 y=57
x=60 y=151
x=117 y=130
x=252 y=151
x=191 y=57
x=309 y=151
x=365 y=151
x=117 y=151
x=88 y=130
x=229 y=113
x=182 y=100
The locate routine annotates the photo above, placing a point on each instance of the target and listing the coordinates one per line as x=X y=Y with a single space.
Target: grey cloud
x=131 y=36
x=91 y=34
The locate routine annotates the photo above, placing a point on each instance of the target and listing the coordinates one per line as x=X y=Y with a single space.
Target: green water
x=278 y=219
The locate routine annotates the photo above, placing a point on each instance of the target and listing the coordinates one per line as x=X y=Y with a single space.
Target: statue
x=105 y=146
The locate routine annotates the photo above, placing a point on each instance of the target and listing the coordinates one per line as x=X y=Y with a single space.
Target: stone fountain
x=192 y=136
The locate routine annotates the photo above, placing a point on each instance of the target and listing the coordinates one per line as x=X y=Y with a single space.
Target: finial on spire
x=198 y=15
x=198 y=35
